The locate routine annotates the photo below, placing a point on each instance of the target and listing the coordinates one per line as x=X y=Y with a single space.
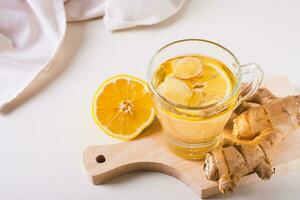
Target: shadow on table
x=154 y=129
x=72 y=41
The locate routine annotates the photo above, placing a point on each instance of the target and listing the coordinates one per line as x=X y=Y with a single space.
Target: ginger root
x=273 y=113
x=268 y=123
x=262 y=96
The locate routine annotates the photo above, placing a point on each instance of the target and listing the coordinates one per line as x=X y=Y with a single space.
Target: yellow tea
x=193 y=81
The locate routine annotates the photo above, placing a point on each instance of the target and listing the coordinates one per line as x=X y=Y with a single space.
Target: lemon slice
x=217 y=84
x=122 y=107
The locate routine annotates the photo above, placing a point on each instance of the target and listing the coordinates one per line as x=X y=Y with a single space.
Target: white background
x=44 y=132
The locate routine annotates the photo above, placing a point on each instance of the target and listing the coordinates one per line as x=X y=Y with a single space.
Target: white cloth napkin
x=31 y=31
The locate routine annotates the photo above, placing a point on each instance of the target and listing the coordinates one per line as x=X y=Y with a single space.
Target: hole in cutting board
x=100 y=159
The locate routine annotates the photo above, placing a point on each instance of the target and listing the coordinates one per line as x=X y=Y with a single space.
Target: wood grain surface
x=149 y=153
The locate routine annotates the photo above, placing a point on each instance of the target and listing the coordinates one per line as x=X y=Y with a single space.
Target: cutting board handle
x=104 y=162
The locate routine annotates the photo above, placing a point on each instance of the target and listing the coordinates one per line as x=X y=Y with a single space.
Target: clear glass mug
x=191 y=132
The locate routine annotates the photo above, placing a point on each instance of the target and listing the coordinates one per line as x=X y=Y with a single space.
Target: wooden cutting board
x=148 y=152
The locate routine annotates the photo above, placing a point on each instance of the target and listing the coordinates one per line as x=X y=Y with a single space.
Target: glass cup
x=192 y=131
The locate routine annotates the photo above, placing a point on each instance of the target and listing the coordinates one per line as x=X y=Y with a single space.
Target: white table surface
x=44 y=132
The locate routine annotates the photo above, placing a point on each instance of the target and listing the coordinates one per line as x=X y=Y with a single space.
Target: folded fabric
x=31 y=31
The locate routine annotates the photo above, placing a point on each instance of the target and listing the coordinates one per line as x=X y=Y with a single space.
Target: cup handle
x=251 y=78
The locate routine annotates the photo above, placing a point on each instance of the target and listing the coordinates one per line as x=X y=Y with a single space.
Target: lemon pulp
x=122 y=107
